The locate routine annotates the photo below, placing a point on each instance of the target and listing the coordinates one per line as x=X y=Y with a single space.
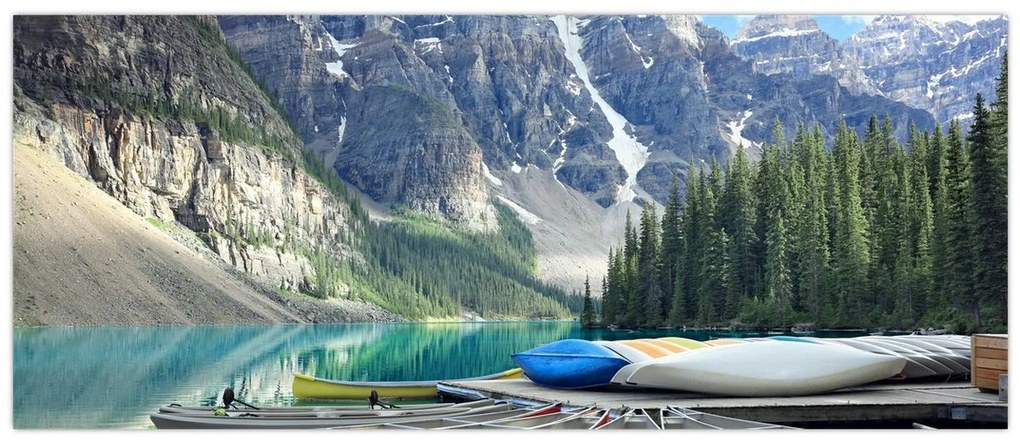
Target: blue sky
x=838 y=26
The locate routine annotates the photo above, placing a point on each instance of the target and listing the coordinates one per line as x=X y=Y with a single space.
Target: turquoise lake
x=114 y=377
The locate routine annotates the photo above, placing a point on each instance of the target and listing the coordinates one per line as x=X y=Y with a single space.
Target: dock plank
x=894 y=401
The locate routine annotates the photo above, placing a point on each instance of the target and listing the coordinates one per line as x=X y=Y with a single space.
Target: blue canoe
x=570 y=364
x=791 y=338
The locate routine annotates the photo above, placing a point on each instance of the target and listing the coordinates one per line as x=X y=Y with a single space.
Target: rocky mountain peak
x=769 y=26
x=684 y=27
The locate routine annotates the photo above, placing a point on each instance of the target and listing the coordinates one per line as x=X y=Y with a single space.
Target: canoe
x=628 y=352
x=454 y=422
x=669 y=346
x=911 y=370
x=321 y=420
x=510 y=411
x=688 y=343
x=653 y=351
x=570 y=364
x=306 y=387
x=769 y=368
x=315 y=411
x=938 y=349
x=947 y=366
x=554 y=420
x=792 y=338
x=725 y=341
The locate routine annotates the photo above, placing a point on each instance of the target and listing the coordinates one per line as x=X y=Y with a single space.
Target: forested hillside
x=863 y=233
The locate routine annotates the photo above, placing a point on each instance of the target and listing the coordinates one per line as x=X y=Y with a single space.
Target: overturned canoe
x=768 y=368
x=319 y=420
x=570 y=364
x=306 y=387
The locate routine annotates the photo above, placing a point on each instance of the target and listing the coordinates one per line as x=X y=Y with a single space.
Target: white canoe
x=629 y=353
x=912 y=369
x=768 y=368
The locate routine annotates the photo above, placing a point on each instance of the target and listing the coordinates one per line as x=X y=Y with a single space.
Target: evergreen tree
x=672 y=243
x=999 y=135
x=919 y=228
x=937 y=172
x=646 y=306
x=810 y=243
x=988 y=188
x=607 y=314
x=850 y=256
x=629 y=297
x=588 y=311
x=959 y=219
x=737 y=212
x=690 y=261
x=777 y=282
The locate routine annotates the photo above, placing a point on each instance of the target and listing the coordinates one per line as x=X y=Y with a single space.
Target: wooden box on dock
x=989 y=354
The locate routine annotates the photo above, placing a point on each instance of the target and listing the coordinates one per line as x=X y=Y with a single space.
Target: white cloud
x=741 y=19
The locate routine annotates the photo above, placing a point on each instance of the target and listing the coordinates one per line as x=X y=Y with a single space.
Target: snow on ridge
x=629 y=152
x=339 y=49
x=737 y=129
x=515 y=168
x=449 y=76
x=449 y=19
x=637 y=50
x=788 y=32
x=525 y=215
x=964 y=116
x=491 y=177
x=340 y=130
x=428 y=44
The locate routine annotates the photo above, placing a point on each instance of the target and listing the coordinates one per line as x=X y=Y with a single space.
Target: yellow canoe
x=686 y=342
x=653 y=351
x=306 y=387
x=669 y=346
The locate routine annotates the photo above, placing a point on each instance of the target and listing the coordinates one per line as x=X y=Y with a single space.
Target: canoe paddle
x=228 y=399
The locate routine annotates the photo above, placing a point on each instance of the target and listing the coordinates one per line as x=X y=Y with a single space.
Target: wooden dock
x=877 y=403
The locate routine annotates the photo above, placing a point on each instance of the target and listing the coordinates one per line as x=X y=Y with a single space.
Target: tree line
x=866 y=232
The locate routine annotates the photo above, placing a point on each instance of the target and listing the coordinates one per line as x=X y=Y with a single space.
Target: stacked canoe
x=306 y=387
x=772 y=366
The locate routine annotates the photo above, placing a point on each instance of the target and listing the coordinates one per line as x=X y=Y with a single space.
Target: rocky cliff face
x=795 y=45
x=257 y=208
x=915 y=60
x=611 y=106
x=932 y=65
x=397 y=135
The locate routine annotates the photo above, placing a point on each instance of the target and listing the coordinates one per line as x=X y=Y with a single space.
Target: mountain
x=921 y=62
x=932 y=65
x=355 y=156
x=162 y=115
x=577 y=120
x=612 y=105
x=795 y=45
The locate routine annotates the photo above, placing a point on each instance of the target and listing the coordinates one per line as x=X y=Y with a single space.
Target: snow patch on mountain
x=491 y=177
x=523 y=213
x=781 y=33
x=736 y=131
x=631 y=153
x=339 y=49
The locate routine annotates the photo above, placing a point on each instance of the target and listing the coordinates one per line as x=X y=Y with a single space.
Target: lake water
x=114 y=377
